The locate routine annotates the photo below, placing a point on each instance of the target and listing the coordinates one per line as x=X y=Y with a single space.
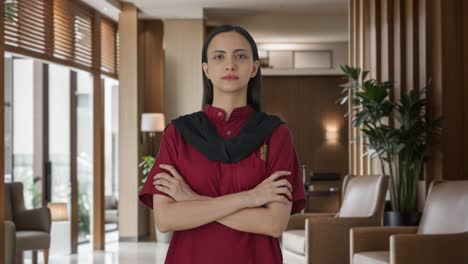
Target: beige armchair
x=32 y=226
x=442 y=236
x=324 y=238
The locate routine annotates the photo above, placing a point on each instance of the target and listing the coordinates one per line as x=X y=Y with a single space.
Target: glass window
x=23 y=129
x=84 y=110
x=59 y=132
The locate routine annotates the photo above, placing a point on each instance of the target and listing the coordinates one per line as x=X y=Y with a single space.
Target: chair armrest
x=297 y=221
x=328 y=238
x=375 y=238
x=38 y=219
x=9 y=242
x=429 y=249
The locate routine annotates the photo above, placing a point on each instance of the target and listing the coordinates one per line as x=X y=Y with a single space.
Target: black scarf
x=198 y=131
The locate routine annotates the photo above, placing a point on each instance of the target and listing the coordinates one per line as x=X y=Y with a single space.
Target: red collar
x=216 y=114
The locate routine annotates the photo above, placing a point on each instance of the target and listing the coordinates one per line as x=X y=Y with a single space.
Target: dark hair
x=255 y=83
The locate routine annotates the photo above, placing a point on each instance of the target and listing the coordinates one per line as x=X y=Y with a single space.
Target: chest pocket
x=249 y=172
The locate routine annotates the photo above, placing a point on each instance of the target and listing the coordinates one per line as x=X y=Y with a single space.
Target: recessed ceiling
x=194 y=8
x=269 y=21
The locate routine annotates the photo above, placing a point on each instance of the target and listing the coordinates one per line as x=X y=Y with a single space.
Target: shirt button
x=220 y=114
x=228 y=132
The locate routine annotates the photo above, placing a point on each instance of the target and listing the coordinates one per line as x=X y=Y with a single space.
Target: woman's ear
x=255 y=67
x=205 y=69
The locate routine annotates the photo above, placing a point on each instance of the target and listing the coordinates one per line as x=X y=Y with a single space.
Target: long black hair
x=255 y=83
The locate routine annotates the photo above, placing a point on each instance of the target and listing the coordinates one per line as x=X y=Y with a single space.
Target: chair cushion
x=294 y=240
x=28 y=240
x=290 y=257
x=445 y=210
x=372 y=257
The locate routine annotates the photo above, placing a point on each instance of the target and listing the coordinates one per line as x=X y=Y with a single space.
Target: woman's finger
x=173 y=171
x=278 y=174
x=163 y=189
x=282 y=199
x=284 y=190
x=283 y=183
x=162 y=181
x=167 y=177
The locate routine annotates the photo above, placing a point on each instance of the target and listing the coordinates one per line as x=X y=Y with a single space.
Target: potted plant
x=146 y=165
x=402 y=147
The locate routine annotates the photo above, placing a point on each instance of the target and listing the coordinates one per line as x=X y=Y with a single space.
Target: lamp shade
x=58 y=211
x=152 y=122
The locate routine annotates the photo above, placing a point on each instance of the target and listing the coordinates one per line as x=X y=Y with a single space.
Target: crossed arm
x=240 y=211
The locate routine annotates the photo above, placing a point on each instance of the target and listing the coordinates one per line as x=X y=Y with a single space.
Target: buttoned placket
x=221 y=117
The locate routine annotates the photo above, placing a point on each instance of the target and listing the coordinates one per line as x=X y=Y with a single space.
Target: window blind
x=60 y=31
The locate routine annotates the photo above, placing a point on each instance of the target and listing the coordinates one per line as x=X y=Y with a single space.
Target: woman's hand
x=173 y=185
x=271 y=190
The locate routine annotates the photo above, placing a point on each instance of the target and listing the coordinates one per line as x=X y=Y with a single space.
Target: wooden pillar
x=73 y=164
x=129 y=120
x=98 y=137
x=2 y=147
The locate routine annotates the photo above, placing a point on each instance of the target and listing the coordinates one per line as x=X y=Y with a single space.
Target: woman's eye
x=242 y=56
x=218 y=57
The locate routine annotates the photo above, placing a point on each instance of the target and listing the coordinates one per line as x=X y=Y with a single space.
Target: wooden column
x=73 y=164
x=129 y=121
x=98 y=137
x=2 y=147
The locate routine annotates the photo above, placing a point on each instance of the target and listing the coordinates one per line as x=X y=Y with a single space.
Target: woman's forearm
x=259 y=220
x=254 y=220
x=184 y=215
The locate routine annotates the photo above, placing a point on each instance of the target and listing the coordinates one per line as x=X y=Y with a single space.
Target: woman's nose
x=230 y=65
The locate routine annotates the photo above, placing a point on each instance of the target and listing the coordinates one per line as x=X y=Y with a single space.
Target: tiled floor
x=118 y=252
x=115 y=253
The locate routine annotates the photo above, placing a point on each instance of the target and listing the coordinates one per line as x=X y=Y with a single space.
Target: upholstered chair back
x=446 y=208
x=364 y=196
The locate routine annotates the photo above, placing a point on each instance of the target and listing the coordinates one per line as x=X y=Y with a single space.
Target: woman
x=226 y=178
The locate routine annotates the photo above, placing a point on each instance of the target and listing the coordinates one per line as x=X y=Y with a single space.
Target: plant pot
x=393 y=218
x=162 y=237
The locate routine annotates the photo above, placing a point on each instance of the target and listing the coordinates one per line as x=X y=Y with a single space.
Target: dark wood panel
x=308 y=105
x=151 y=61
x=464 y=85
x=452 y=89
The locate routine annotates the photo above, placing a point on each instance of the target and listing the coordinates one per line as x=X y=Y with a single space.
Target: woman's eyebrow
x=222 y=51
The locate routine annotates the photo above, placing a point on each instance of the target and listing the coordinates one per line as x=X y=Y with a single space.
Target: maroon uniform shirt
x=215 y=243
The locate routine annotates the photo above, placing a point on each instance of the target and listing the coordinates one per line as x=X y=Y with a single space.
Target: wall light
x=332 y=134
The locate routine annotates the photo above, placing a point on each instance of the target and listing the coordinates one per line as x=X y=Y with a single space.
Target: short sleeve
x=282 y=156
x=166 y=155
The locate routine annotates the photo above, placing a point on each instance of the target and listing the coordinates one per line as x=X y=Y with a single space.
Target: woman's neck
x=229 y=102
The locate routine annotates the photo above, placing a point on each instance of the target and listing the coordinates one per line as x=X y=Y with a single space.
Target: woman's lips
x=230 y=78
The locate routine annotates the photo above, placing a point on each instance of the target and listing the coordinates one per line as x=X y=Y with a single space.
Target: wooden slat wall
x=412 y=41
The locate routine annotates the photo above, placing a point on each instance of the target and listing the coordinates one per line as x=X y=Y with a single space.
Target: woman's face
x=230 y=62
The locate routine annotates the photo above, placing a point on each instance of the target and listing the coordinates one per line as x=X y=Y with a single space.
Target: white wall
x=183 y=83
